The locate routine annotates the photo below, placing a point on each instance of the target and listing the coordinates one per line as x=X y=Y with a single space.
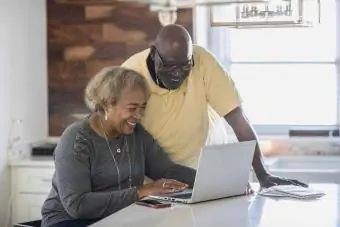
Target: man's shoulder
x=137 y=58
x=199 y=50
x=202 y=55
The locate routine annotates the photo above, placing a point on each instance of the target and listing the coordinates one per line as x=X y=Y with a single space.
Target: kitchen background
x=82 y=39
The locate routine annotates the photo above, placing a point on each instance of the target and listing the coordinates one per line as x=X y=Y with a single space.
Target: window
x=288 y=94
x=287 y=77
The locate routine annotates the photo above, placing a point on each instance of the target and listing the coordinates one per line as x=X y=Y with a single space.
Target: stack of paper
x=292 y=191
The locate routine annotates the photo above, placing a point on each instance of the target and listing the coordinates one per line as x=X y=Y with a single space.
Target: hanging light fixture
x=275 y=13
x=167 y=17
x=167 y=9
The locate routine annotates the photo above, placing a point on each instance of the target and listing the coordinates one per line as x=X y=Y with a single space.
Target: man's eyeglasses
x=185 y=66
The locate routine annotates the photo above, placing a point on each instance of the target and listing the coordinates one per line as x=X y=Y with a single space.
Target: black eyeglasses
x=168 y=67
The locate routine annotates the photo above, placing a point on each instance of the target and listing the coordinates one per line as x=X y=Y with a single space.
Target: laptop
x=222 y=171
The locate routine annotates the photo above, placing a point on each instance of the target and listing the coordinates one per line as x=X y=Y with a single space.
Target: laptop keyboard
x=185 y=194
x=182 y=196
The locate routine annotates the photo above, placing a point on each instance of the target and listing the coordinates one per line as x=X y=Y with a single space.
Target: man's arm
x=223 y=96
x=244 y=132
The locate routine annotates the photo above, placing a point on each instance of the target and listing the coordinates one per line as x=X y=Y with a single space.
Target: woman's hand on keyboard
x=159 y=187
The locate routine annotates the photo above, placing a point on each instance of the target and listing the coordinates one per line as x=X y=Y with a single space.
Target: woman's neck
x=101 y=126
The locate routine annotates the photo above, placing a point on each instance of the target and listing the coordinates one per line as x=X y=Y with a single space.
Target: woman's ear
x=99 y=108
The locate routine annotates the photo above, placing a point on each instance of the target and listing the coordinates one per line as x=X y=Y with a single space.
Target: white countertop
x=243 y=211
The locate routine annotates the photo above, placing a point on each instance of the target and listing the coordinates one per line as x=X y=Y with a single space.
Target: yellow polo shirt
x=178 y=119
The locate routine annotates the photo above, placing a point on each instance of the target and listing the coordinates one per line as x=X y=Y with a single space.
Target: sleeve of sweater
x=73 y=180
x=159 y=165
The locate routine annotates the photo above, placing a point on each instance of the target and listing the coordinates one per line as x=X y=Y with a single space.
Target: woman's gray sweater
x=85 y=182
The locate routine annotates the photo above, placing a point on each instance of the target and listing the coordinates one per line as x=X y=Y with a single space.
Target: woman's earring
x=105 y=116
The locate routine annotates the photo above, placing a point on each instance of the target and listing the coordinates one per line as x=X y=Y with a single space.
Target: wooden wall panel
x=83 y=37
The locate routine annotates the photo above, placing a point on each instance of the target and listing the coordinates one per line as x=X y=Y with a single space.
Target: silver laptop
x=222 y=171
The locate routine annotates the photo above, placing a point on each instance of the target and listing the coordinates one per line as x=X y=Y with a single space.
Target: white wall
x=23 y=74
x=5 y=107
x=29 y=66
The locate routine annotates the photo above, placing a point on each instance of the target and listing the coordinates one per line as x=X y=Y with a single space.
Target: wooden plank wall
x=84 y=37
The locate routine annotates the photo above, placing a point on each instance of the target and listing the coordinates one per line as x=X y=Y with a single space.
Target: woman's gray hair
x=105 y=88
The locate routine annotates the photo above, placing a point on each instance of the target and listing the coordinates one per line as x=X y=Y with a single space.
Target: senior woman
x=101 y=161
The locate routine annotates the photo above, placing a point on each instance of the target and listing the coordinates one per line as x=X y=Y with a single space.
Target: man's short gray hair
x=105 y=88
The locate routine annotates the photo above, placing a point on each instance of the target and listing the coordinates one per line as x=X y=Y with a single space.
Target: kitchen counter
x=31 y=161
x=243 y=211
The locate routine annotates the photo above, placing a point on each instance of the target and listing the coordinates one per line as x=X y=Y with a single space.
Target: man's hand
x=244 y=132
x=271 y=180
x=249 y=190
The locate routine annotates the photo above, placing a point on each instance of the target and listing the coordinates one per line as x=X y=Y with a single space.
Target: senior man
x=185 y=81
